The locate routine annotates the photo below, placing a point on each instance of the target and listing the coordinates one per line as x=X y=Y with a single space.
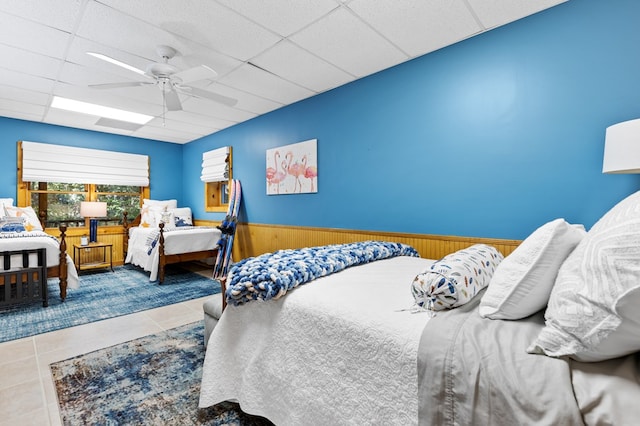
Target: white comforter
x=35 y=240
x=341 y=349
x=176 y=241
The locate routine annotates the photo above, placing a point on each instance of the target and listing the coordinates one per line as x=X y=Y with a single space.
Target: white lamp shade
x=93 y=209
x=622 y=148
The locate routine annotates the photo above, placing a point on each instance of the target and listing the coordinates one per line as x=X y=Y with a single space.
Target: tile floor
x=27 y=395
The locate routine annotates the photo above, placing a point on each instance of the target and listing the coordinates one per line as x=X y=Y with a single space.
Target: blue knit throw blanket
x=271 y=275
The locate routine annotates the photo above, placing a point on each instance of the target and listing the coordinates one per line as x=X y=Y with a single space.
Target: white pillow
x=523 y=281
x=456 y=278
x=149 y=216
x=31 y=221
x=6 y=202
x=163 y=204
x=166 y=217
x=183 y=216
x=593 y=312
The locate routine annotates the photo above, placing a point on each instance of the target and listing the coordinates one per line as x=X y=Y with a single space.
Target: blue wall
x=490 y=137
x=165 y=158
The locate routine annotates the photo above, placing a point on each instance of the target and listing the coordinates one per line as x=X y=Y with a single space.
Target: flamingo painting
x=310 y=172
x=296 y=173
x=275 y=176
x=296 y=170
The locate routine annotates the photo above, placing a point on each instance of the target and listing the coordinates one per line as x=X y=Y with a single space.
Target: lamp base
x=93 y=230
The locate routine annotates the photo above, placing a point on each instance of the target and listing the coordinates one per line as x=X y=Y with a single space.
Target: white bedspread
x=335 y=351
x=35 y=240
x=176 y=241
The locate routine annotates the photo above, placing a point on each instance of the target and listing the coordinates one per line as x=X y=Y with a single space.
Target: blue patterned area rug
x=101 y=296
x=154 y=380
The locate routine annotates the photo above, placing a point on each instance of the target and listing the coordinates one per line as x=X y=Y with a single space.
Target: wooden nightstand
x=91 y=257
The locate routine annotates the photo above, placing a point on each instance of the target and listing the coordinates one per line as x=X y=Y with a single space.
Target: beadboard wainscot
x=254 y=239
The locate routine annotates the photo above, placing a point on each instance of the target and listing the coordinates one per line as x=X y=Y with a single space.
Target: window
x=53 y=180
x=217 y=196
x=60 y=202
x=217 y=172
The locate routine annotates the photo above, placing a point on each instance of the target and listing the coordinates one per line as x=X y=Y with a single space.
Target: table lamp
x=622 y=148
x=92 y=210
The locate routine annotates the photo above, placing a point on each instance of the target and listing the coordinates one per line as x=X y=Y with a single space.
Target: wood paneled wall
x=254 y=239
x=106 y=234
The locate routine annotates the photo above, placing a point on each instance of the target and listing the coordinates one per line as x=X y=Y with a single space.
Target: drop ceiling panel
x=21 y=115
x=28 y=35
x=346 y=41
x=201 y=120
x=157 y=126
x=24 y=95
x=57 y=14
x=206 y=21
x=31 y=63
x=493 y=13
x=284 y=17
x=301 y=67
x=26 y=81
x=418 y=27
x=26 y=107
x=247 y=102
x=164 y=134
x=213 y=109
x=265 y=84
x=194 y=129
x=110 y=27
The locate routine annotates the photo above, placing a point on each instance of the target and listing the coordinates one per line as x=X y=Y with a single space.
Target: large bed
x=59 y=264
x=369 y=345
x=154 y=247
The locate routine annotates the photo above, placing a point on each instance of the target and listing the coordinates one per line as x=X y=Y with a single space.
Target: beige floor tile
x=21 y=399
x=16 y=349
x=54 y=414
x=165 y=312
x=176 y=321
x=196 y=304
x=39 y=417
x=89 y=337
x=18 y=371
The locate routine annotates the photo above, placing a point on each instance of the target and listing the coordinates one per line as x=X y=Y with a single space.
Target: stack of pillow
x=155 y=212
x=589 y=283
x=18 y=219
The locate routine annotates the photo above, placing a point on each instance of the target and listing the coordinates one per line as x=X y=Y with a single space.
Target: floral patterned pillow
x=456 y=278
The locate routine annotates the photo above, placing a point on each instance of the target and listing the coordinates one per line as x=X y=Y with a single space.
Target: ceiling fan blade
x=201 y=72
x=116 y=62
x=119 y=85
x=172 y=100
x=200 y=93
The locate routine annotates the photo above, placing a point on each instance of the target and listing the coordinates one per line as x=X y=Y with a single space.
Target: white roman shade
x=215 y=165
x=57 y=163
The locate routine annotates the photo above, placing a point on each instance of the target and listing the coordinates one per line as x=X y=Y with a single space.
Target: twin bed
x=59 y=263
x=368 y=344
x=152 y=243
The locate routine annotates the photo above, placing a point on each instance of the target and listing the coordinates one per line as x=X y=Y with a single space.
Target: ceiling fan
x=169 y=79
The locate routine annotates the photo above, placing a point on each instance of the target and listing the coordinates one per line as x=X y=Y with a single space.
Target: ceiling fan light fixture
x=116 y=62
x=99 y=110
